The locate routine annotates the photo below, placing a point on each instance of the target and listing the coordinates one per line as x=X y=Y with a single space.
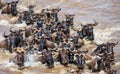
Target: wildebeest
x=49 y=59
x=87 y=30
x=55 y=14
x=63 y=57
x=5 y=44
x=19 y=58
x=69 y=19
x=106 y=47
x=29 y=31
x=10 y=8
x=95 y=64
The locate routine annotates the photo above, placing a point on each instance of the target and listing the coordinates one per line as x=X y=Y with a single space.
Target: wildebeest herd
x=55 y=40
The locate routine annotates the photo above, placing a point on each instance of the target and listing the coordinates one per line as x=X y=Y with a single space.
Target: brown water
x=106 y=12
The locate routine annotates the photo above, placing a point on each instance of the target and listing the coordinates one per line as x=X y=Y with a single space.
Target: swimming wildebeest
x=87 y=30
x=69 y=19
x=10 y=8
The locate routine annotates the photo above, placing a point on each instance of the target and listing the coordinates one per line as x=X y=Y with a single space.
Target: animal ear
x=72 y=15
x=58 y=9
x=5 y=35
x=65 y=15
x=17 y=1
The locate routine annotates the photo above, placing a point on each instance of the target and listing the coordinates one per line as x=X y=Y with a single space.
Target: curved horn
x=101 y=55
x=96 y=44
x=21 y=30
x=11 y=30
x=116 y=43
x=5 y=35
x=65 y=15
x=17 y=1
x=86 y=51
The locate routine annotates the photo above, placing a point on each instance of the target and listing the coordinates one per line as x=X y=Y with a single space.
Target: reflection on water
x=106 y=12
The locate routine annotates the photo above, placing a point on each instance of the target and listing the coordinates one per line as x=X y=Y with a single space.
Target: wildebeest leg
x=9 y=48
x=107 y=65
x=99 y=65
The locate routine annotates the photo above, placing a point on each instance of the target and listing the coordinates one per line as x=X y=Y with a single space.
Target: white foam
x=117 y=63
x=7 y=64
x=62 y=71
x=105 y=35
x=20 y=25
x=4 y=22
x=31 y=60
x=22 y=8
x=102 y=72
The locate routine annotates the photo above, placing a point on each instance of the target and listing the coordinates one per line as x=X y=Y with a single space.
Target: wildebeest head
x=112 y=44
x=14 y=7
x=69 y=17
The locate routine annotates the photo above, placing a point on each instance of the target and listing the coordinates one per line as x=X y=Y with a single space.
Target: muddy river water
x=105 y=12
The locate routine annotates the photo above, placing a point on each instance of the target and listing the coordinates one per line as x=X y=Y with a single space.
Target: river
x=105 y=12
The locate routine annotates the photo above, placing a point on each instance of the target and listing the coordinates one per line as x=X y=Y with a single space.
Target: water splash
x=31 y=60
x=1 y=37
x=105 y=35
x=4 y=22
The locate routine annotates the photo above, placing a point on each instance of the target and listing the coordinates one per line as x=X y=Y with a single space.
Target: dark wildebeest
x=69 y=19
x=110 y=47
x=49 y=58
x=63 y=57
x=20 y=58
x=31 y=8
x=55 y=14
x=107 y=47
x=100 y=49
x=10 y=8
x=71 y=57
x=14 y=8
x=18 y=36
x=88 y=30
x=81 y=56
x=27 y=17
